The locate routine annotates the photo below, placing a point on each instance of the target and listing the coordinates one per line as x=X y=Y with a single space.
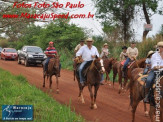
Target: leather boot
x=146 y=99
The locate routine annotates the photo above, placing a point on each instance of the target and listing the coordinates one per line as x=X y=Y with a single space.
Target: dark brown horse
x=108 y=63
x=137 y=64
x=116 y=70
x=53 y=69
x=137 y=94
x=93 y=77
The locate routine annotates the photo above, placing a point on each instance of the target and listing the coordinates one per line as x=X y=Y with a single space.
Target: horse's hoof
x=95 y=106
x=83 y=102
x=57 y=91
x=91 y=107
x=146 y=113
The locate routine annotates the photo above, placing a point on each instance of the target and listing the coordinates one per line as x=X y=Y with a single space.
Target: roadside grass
x=15 y=90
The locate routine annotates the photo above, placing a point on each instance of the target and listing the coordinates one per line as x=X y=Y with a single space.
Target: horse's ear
x=96 y=57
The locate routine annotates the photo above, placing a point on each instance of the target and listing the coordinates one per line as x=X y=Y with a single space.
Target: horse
x=136 y=64
x=137 y=94
x=108 y=63
x=93 y=77
x=116 y=70
x=53 y=69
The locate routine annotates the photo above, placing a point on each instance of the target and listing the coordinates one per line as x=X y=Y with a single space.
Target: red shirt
x=50 y=50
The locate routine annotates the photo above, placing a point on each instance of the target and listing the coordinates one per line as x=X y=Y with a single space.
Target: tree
x=117 y=13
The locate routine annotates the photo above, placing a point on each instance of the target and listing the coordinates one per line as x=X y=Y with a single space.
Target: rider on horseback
x=132 y=53
x=79 y=46
x=50 y=52
x=156 y=65
x=123 y=55
x=88 y=53
x=105 y=51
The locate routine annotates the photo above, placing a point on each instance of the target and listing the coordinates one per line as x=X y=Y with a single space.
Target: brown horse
x=108 y=63
x=137 y=94
x=116 y=70
x=53 y=69
x=137 y=64
x=93 y=77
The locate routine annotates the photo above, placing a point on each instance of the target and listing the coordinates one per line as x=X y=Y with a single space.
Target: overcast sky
x=94 y=24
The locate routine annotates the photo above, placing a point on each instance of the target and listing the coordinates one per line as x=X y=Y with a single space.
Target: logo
x=17 y=112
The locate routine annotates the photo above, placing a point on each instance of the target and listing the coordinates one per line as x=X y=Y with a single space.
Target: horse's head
x=111 y=62
x=56 y=63
x=98 y=63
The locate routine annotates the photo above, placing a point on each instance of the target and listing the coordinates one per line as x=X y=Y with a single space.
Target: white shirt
x=87 y=53
x=156 y=60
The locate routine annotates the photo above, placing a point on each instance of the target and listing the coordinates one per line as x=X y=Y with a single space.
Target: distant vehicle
x=31 y=55
x=8 y=53
x=0 y=50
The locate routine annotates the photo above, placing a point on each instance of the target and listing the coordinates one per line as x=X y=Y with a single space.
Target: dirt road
x=112 y=107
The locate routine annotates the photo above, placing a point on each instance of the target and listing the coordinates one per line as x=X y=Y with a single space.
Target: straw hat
x=150 y=53
x=160 y=44
x=89 y=40
x=105 y=44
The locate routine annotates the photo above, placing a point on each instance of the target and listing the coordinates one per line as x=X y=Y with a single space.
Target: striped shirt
x=50 y=50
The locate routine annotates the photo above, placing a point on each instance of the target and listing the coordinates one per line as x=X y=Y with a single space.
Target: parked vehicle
x=8 y=53
x=0 y=50
x=31 y=55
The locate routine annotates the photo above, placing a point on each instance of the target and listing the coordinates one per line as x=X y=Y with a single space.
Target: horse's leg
x=152 y=113
x=134 y=106
x=57 y=84
x=91 y=95
x=50 y=82
x=125 y=82
x=95 y=95
x=120 y=81
x=44 y=79
x=80 y=97
x=145 y=110
x=106 y=77
x=114 y=76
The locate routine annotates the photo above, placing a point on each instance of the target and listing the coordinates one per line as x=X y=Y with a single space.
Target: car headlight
x=45 y=56
x=29 y=55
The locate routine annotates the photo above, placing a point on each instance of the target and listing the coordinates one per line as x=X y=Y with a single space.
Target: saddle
x=129 y=64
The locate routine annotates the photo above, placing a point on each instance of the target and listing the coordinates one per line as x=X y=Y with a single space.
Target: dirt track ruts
x=112 y=107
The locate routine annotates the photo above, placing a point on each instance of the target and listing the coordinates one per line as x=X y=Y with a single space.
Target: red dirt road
x=112 y=107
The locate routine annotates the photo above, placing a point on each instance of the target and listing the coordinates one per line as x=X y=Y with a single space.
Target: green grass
x=15 y=90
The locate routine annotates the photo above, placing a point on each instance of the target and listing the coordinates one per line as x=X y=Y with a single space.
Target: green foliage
x=3 y=42
x=15 y=90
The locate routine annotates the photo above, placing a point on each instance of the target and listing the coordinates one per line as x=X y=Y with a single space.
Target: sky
x=94 y=24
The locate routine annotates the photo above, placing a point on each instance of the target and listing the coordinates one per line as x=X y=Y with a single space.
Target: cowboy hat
x=159 y=44
x=150 y=53
x=105 y=44
x=89 y=40
x=81 y=40
x=124 y=47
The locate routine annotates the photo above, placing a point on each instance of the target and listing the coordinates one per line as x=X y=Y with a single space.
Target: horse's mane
x=92 y=65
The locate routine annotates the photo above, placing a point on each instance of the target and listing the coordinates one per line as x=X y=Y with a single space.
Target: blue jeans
x=47 y=62
x=126 y=63
x=80 y=71
x=150 y=79
x=102 y=77
x=146 y=70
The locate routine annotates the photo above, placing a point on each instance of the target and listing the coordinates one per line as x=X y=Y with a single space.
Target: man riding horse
x=132 y=53
x=50 y=52
x=88 y=53
x=156 y=65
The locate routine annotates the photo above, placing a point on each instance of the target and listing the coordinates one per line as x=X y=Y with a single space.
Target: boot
x=146 y=99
